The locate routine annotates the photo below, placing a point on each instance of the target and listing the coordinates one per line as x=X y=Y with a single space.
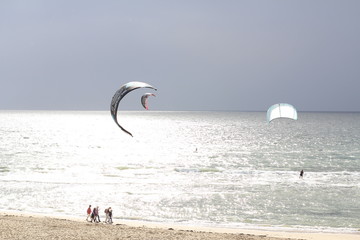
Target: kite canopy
x=119 y=94
x=281 y=110
x=144 y=100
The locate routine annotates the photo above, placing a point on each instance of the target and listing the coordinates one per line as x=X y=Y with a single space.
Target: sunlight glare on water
x=210 y=168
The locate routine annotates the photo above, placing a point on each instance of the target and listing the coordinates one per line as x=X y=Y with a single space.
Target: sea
x=211 y=169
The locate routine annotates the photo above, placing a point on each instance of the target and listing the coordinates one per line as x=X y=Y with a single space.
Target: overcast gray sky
x=201 y=55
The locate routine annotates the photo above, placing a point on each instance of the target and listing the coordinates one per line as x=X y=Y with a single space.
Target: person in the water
x=301 y=173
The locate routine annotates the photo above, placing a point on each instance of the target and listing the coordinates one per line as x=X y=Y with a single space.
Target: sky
x=201 y=55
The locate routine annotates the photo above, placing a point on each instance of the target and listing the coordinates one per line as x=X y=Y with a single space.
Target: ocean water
x=218 y=169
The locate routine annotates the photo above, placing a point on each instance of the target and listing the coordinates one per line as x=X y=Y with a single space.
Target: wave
x=197 y=170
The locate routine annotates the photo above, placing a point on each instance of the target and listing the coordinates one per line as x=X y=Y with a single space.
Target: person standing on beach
x=110 y=216
x=106 y=215
x=94 y=215
x=97 y=214
x=301 y=174
x=88 y=213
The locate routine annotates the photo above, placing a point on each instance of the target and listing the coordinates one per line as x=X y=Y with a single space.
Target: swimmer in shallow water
x=301 y=174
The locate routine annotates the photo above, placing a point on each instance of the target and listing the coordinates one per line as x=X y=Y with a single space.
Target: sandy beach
x=24 y=226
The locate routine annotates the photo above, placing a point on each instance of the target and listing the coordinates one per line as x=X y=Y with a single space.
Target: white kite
x=281 y=110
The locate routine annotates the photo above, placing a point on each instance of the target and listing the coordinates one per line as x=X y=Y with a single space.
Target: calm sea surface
x=225 y=169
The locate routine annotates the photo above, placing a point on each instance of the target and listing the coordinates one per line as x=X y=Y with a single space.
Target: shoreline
x=141 y=227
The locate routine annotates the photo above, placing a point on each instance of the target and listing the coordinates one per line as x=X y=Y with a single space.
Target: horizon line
x=87 y=110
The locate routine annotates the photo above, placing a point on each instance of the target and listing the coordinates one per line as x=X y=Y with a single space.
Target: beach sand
x=20 y=226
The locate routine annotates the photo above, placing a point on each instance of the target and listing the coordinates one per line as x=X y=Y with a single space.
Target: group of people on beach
x=94 y=216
